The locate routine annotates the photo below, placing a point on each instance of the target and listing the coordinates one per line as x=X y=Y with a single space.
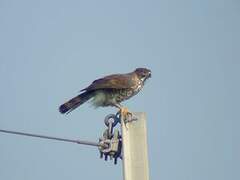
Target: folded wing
x=116 y=81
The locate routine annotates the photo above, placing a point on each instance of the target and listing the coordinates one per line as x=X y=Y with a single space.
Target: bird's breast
x=124 y=94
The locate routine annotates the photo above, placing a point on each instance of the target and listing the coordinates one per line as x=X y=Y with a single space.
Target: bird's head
x=143 y=73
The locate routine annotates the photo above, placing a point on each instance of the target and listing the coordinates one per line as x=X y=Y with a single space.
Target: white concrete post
x=135 y=151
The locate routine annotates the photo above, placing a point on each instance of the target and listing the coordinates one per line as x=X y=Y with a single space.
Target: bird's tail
x=73 y=103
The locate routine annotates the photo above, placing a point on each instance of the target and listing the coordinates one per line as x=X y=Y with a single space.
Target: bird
x=110 y=90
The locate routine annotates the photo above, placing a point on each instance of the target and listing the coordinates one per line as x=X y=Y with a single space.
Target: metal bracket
x=111 y=139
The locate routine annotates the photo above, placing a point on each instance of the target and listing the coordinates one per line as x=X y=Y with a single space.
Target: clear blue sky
x=52 y=49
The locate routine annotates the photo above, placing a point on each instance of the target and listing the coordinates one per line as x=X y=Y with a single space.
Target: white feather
x=98 y=99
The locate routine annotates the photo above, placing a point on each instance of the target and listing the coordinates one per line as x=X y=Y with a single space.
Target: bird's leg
x=125 y=113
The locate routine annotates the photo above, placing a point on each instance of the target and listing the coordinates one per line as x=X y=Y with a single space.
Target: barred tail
x=73 y=103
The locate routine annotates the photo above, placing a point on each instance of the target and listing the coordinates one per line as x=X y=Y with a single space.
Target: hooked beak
x=150 y=74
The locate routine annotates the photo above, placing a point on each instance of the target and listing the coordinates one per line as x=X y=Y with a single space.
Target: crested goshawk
x=110 y=91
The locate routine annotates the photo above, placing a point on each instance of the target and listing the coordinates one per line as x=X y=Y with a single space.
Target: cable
x=52 y=138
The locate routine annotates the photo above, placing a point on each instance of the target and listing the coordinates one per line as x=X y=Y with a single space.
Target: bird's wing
x=116 y=81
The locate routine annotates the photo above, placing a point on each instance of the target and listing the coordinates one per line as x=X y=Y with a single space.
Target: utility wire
x=53 y=138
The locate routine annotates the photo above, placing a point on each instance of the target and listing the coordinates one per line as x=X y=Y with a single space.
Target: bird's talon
x=125 y=113
x=127 y=116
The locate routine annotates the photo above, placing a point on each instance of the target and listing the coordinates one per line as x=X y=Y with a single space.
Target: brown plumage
x=110 y=90
x=75 y=102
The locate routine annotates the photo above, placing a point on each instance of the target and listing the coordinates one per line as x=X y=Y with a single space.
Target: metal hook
x=111 y=139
